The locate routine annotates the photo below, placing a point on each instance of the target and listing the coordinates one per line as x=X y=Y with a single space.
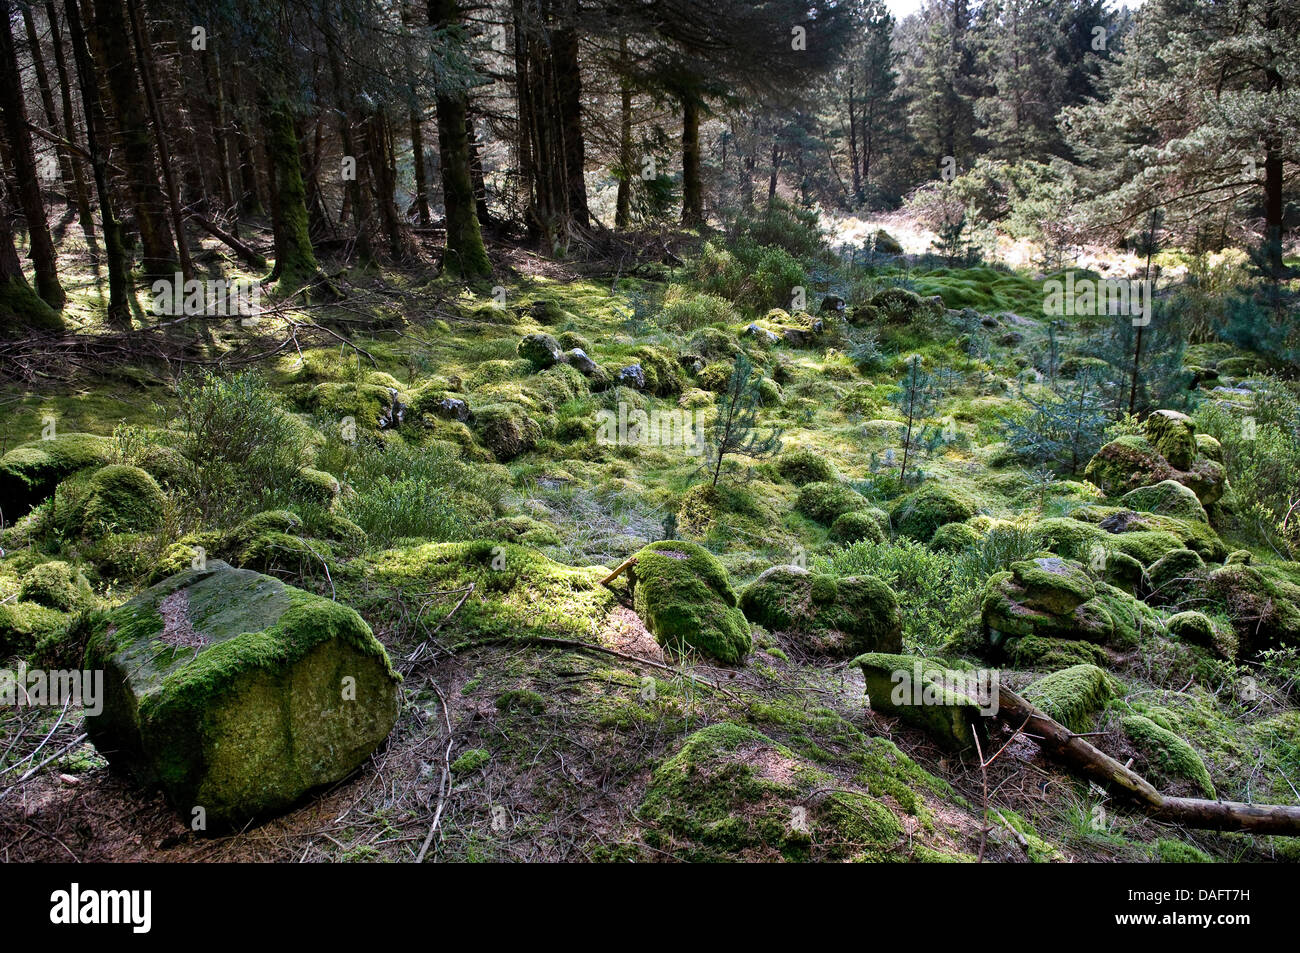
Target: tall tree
x=13 y=113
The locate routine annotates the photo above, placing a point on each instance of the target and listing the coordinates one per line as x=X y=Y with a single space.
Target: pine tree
x=735 y=428
x=917 y=397
x=1065 y=428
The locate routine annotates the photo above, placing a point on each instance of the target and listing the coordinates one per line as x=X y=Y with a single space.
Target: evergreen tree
x=1065 y=428
x=917 y=397
x=735 y=428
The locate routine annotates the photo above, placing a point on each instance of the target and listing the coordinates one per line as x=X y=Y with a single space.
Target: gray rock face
x=632 y=376
x=452 y=408
x=585 y=365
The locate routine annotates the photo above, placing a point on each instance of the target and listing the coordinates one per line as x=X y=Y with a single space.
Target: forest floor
x=541 y=721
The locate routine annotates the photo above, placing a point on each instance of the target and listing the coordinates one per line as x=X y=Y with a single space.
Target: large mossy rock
x=30 y=472
x=237 y=693
x=1133 y=461
x=921 y=513
x=945 y=703
x=826 y=502
x=1169 y=498
x=1073 y=696
x=1055 y=598
x=1263 y=603
x=684 y=597
x=828 y=616
x=121 y=499
x=506 y=429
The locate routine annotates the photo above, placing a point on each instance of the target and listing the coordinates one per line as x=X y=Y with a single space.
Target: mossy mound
x=1167 y=497
x=920 y=513
x=1036 y=651
x=121 y=499
x=683 y=595
x=732 y=793
x=1173 y=577
x=1131 y=461
x=1200 y=629
x=25 y=625
x=541 y=350
x=236 y=693
x=825 y=502
x=507 y=430
x=1170 y=755
x=804 y=466
x=1263 y=603
x=944 y=703
x=1055 y=598
x=857 y=525
x=30 y=472
x=1073 y=696
x=1174 y=437
x=56 y=585
x=829 y=616
x=954 y=538
x=1073 y=537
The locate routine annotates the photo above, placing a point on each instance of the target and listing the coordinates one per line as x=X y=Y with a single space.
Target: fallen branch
x=623 y=567
x=246 y=253
x=1071 y=749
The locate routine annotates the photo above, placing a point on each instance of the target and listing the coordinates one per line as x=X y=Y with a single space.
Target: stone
x=838 y=617
x=452 y=408
x=236 y=693
x=684 y=597
x=632 y=376
x=541 y=350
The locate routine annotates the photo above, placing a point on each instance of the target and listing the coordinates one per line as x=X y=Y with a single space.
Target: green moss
x=1169 y=851
x=56 y=585
x=924 y=693
x=521 y=700
x=121 y=498
x=857 y=525
x=825 y=502
x=1073 y=696
x=541 y=350
x=805 y=466
x=1169 y=498
x=1171 y=755
x=506 y=429
x=919 y=514
x=1174 y=437
x=839 y=617
x=683 y=595
x=26 y=625
x=237 y=693
x=1036 y=651
x=954 y=538
x=470 y=761
x=30 y=472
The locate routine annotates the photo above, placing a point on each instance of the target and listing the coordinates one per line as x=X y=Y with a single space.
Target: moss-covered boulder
x=1042 y=652
x=25 y=625
x=1073 y=696
x=1197 y=628
x=1167 y=755
x=121 y=499
x=1055 y=598
x=732 y=793
x=828 y=616
x=1174 y=437
x=945 y=703
x=30 y=472
x=1263 y=603
x=1132 y=461
x=56 y=585
x=684 y=597
x=954 y=538
x=825 y=502
x=857 y=525
x=922 y=512
x=804 y=466
x=1167 y=497
x=506 y=429
x=541 y=350
x=236 y=693
x=1175 y=576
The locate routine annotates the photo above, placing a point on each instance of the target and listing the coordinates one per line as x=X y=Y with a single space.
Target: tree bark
x=21 y=308
x=119 y=312
x=623 y=203
x=692 y=187
x=421 y=180
x=13 y=110
x=69 y=126
x=465 y=255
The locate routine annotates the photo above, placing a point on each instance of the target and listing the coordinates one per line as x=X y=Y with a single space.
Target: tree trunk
x=568 y=87
x=119 y=312
x=692 y=188
x=145 y=55
x=21 y=308
x=421 y=180
x=476 y=174
x=14 y=112
x=465 y=255
x=853 y=146
x=776 y=168
x=295 y=260
x=69 y=126
x=52 y=120
x=623 y=204
x=353 y=194
x=111 y=40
